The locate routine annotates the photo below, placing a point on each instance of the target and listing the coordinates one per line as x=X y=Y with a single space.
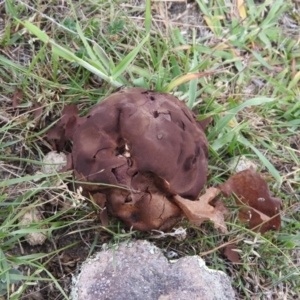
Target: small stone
x=138 y=272
x=171 y=254
x=241 y=163
x=53 y=162
x=32 y=216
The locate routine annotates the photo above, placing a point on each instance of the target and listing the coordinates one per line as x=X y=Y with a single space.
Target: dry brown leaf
x=17 y=97
x=253 y=196
x=37 y=113
x=232 y=255
x=201 y=210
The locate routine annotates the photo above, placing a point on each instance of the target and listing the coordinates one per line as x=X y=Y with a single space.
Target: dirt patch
x=60 y=263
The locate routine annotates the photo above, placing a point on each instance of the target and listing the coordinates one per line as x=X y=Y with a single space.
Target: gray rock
x=139 y=270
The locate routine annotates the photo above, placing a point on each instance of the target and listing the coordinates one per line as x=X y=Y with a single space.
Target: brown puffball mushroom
x=148 y=143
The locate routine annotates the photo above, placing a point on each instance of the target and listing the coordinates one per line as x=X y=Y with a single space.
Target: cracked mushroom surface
x=148 y=143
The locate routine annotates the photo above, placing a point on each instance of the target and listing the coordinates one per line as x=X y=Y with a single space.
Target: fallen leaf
x=201 y=210
x=17 y=97
x=37 y=113
x=232 y=255
x=252 y=194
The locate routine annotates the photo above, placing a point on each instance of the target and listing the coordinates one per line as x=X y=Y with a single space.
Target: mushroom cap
x=149 y=143
x=142 y=131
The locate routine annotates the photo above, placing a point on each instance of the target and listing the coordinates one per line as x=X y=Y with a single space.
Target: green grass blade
x=69 y=55
x=148 y=16
x=273 y=13
x=261 y=60
x=102 y=56
x=123 y=65
x=90 y=51
x=36 y=31
x=85 y=43
x=12 y=181
x=203 y=7
x=193 y=84
x=10 y=8
x=8 y=63
x=262 y=158
x=232 y=112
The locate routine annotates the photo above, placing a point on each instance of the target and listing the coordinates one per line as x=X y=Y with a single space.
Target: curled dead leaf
x=252 y=194
x=17 y=97
x=231 y=254
x=201 y=210
x=37 y=113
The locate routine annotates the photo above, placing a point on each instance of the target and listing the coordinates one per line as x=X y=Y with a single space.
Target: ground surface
x=252 y=52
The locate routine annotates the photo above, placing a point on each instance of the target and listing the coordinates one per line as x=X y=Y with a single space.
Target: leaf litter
x=231 y=253
x=252 y=195
x=147 y=156
x=17 y=98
